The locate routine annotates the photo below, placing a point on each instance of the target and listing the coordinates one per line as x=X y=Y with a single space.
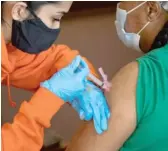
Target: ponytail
x=162 y=38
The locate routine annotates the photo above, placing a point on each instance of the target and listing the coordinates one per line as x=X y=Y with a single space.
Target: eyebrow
x=62 y=12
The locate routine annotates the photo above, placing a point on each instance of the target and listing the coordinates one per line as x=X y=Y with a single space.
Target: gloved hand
x=92 y=104
x=69 y=81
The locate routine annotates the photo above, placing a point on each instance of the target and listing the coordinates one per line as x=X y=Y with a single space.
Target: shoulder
x=60 y=46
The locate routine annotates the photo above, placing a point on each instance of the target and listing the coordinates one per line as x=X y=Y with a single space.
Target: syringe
x=92 y=77
x=106 y=85
x=103 y=84
x=95 y=80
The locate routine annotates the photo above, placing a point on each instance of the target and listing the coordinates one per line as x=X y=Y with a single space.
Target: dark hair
x=2 y=20
x=162 y=38
x=32 y=5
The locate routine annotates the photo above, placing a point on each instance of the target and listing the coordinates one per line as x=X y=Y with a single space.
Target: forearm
x=122 y=123
x=86 y=139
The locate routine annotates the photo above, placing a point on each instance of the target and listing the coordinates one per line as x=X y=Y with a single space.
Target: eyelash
x=58 y=20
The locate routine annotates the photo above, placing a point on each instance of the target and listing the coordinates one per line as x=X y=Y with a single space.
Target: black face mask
x=33 y=36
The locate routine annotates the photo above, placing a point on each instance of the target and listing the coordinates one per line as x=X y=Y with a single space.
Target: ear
x=19 y=11
x=153 y=10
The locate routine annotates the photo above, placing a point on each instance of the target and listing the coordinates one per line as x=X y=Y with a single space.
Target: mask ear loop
x=130 y=11
x=135 y=9
x=32 y=12
x=143 y=27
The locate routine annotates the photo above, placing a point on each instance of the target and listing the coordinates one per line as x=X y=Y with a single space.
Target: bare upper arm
x=122 y=123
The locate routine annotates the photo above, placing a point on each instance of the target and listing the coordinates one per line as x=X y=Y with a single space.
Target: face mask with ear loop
x=32 y=35
x=164 y=5
x=131 y=40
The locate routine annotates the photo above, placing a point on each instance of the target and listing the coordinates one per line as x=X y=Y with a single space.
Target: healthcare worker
x=139 y=94
x=30 y=61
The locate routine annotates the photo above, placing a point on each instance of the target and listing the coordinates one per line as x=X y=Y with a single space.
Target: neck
x=152 y=32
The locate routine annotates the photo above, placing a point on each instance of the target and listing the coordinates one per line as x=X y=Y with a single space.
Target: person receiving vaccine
x=139 y=95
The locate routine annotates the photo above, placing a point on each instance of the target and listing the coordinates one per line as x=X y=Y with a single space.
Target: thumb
x=82 y=75
x=84 y=71
x=81 y=114
x=97 y=127
x=75 y=63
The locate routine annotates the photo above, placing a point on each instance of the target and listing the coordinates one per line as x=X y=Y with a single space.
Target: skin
x=123 y=107
x=50 y=14
x=149 y=12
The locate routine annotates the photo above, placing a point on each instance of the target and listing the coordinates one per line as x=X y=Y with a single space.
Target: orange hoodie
x=26 y=71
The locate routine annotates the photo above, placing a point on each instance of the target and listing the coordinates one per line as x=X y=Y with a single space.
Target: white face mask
x=131 y=40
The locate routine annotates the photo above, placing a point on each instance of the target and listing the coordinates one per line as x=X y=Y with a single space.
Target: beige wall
x=93 y=34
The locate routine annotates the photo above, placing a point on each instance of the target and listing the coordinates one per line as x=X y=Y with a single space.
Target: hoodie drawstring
x=12 y=103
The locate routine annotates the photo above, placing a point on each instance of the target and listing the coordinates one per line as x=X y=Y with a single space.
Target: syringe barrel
x=95 y=80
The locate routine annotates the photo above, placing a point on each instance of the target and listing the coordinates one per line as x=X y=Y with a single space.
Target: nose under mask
x=131 y=40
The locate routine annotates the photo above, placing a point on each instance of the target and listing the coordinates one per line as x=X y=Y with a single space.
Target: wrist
x=47 y=85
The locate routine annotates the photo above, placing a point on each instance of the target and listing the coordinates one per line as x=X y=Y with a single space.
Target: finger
x=97 y=127
x=84 y=69
x=96 y=114
x=85 y=116
x=85 y=105
x=83 y=73
x=75 y=63
x=104 y=121
x=83 y=64
x=76 y=106
x=82 y=115
x=88 y=116
x=107 y=110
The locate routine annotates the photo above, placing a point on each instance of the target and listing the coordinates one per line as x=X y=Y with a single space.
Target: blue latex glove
x=69 y=81
x=92 y=104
